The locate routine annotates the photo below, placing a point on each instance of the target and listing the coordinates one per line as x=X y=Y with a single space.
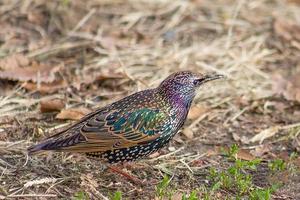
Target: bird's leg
x=133 y=178
x=126 y=175
x=121 y=172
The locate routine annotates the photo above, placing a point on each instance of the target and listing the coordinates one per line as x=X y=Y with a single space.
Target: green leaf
x=117 y=196
x=161 y=188
x=192 y=196
x=81 y=195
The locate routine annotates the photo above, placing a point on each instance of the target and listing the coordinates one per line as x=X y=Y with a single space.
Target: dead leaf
x=51 y=105
x=18 y=67
x=288 y=31
x=288 y=87
x=196 y=111
x=244 y=154
x=294 y=1
x=45 y=88
x=90 y=77
x=188 y=133
x=73 y=113
x=259 y=151
x=267 y=133
x=104 y=76
x=14 y=61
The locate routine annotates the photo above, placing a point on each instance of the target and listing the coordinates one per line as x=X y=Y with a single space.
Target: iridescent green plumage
x=132 y=127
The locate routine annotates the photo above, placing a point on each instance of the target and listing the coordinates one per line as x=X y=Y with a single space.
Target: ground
x=61 y=59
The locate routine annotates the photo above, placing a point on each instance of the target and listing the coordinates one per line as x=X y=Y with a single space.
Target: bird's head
x=185 y=83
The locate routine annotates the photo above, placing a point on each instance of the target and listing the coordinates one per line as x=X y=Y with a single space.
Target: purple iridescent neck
x=176 y=96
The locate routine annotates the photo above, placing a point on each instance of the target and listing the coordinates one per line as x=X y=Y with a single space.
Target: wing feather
x=105 y=130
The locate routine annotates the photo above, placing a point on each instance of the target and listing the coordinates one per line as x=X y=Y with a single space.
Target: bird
x=133 y=127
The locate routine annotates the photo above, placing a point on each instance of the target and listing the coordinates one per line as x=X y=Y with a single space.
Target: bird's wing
x=109 y=130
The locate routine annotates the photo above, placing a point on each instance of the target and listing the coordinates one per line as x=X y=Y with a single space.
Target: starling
x=134 y=126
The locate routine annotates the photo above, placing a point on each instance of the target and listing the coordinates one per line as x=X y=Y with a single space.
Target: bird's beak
x=209 y=77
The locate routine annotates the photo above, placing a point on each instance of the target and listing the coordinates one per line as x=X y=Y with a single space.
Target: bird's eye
x=196 y=82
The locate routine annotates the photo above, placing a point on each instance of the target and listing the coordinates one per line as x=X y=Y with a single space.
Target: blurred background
x=61 y=59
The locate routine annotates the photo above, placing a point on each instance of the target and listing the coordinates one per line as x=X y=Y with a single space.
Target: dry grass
x=144 y=41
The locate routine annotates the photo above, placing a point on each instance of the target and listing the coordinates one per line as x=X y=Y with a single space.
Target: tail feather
x=56 y=144
x=38 y=148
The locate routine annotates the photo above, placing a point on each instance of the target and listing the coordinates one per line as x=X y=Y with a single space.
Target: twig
x=83 y=20
x=199 y=119
x=237 y=115
x=167 y=155
x=187 y=166
x=290 y=126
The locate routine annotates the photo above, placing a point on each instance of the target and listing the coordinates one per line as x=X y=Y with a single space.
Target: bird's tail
x=56 y=144
x=38 y=148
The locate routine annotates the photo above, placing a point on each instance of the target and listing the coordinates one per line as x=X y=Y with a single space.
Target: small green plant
x=232 y=151
x=236 y=177
x=116 y=196
x=192 y=196
x=162 y=187
x=213 y=175
x=65 y=2
x=164 y=192
x=277 y=165
x=80 y=196
x=232 y=179
x=251 y=165
x=262 y=194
